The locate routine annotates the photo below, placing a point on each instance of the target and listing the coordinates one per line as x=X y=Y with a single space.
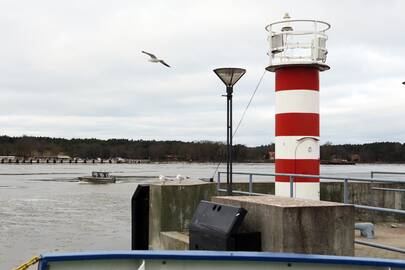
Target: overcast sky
x=75 y=69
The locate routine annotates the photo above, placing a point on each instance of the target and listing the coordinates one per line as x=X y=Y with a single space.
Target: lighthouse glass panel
x=297 y=42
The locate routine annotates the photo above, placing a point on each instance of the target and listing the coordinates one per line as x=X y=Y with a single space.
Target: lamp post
x=229 y=76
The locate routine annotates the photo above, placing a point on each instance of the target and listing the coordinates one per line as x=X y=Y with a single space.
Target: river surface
x=44 y=209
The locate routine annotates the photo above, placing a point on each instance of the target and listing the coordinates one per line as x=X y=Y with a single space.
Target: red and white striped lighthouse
x=297 y=55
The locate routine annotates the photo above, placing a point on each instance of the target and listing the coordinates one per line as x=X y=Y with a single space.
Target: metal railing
x=372 y=173
x=345 y=193
x=325 y=177
x=375 y=245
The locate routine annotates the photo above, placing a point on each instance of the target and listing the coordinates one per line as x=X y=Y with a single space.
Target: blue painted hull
x=144 y=260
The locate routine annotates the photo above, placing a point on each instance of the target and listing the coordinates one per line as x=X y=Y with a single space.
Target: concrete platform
x=174 y=241
x=297 y=225
x=172 y=206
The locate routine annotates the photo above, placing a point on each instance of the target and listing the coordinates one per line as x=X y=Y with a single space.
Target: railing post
x=250 y=184
x=371 y=191
x=346 y=191
x=219 y=182
x=291 y=186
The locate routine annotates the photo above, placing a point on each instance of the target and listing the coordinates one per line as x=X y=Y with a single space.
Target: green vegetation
x=199 y=151
x=378 y=152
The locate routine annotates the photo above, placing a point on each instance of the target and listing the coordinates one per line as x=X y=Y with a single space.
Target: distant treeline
x=378 y=152
x=200 y=151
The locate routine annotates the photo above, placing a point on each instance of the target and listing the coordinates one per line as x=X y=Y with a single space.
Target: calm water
x=43 y=209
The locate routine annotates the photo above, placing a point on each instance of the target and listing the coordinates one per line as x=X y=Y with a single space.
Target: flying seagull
x=154 y=59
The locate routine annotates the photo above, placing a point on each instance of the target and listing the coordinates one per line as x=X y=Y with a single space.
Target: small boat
x=145 y=260
x=337 y=162
x=98 y=178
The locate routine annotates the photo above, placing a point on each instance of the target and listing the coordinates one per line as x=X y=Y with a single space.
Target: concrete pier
x=298 y=225
x=287 y=225
x=172 y=206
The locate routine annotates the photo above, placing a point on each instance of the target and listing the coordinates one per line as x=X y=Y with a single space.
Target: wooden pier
x=68 y=160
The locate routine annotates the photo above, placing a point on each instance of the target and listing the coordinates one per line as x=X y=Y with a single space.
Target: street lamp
x=229 y=76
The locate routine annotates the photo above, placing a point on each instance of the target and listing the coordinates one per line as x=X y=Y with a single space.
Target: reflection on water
x=43 y=208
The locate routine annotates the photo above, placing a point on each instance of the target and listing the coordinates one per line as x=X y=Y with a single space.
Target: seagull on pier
x=180 y=177
x=163 y=178
x=154 y=59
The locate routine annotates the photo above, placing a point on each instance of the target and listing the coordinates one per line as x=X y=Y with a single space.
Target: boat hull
x=98 y=180
x=202 y=260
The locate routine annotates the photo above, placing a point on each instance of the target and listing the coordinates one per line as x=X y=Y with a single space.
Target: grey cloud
x=74 y=68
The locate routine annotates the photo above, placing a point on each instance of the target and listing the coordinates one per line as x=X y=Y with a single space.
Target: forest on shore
x=198 y=151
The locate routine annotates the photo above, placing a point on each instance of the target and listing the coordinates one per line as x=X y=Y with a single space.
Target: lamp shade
x=229 y=75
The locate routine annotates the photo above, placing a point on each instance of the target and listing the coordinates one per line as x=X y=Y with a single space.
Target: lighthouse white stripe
x=290 y=147
x=305 y=101
x=301 y=190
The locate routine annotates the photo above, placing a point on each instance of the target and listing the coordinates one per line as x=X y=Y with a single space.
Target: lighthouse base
x=302 y=190
x=296 y=225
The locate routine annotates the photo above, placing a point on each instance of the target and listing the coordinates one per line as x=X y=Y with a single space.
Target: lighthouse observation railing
x=345 y=196
x=297 y=42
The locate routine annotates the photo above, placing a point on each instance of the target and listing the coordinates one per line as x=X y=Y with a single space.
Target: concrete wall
x=174 y=241
x=172 y=206
x=297 y=225
x=362 y=193
x=359 y=193
x=258 y=187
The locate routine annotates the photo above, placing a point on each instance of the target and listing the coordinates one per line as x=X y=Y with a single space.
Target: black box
x=215 y=227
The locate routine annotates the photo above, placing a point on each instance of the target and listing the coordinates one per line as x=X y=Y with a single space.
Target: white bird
x=162 y=177
x=165 y=179
x=154 y=59
x=180 y=178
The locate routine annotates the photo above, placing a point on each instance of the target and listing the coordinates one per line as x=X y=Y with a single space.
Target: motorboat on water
x=98 y=178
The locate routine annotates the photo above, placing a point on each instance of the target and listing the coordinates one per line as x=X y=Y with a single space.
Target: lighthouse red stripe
x=297 y=166
x=296 y=78
x=297 y=124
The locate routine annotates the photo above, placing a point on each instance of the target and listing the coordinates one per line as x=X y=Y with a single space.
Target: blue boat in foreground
x=183 y=260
